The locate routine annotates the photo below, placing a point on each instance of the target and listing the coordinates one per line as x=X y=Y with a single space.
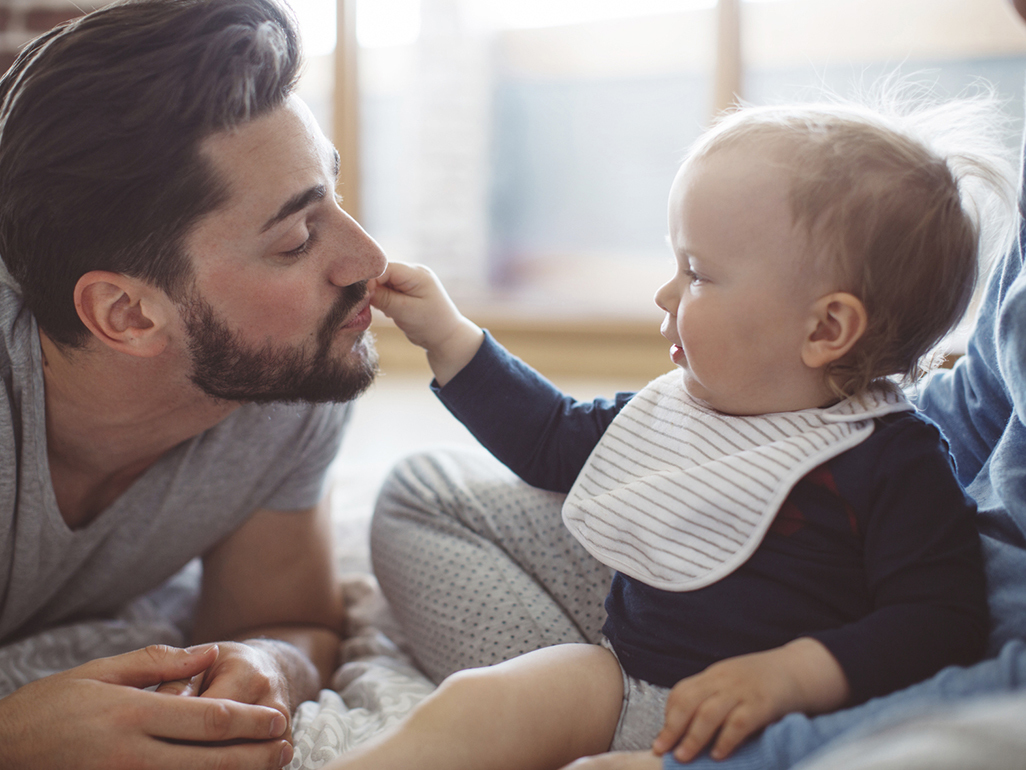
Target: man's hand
x=740 y=695
x=251 y=673
x=271 y=589
x=96 y=716
x=413 y=297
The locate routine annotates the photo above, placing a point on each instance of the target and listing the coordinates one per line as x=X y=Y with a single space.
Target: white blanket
x=376 y=685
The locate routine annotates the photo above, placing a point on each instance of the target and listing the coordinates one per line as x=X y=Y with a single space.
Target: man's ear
x=126 y=314
x=836 y=323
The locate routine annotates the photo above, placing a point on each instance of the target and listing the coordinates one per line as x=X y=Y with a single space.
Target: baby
x=787 y=532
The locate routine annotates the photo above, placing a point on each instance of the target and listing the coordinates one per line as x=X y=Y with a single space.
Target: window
x=524 y=148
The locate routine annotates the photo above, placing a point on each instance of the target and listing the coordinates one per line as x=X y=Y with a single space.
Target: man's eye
x=301 y=249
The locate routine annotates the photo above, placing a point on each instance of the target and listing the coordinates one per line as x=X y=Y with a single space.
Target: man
x=188 y=322
x=507 y=578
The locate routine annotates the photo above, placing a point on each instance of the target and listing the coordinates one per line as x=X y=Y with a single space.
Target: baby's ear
x=124 y=313
x=836 y=322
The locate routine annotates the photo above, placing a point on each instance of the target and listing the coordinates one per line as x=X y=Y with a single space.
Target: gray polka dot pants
x=477 y=565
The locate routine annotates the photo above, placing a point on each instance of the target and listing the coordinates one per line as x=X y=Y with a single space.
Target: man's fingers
x=152 y=665
x=206 y=720
x=190 y=686
x=266 y=755
x=222 y=690
x=177 y=687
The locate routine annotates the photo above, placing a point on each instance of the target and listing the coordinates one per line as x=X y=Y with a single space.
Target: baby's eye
x=692 y=276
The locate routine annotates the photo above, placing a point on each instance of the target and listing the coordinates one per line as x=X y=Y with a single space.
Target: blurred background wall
x=524 y=148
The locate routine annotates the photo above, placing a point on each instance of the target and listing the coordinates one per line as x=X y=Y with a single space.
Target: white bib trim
x=678 y=496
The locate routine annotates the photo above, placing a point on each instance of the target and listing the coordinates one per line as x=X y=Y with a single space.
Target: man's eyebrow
x=294 y=204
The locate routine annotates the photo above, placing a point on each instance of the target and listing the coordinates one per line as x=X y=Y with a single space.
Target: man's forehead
x=272 y=158
x=289 y=121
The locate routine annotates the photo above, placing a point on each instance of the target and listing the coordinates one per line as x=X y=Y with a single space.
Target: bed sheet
x=376 y=685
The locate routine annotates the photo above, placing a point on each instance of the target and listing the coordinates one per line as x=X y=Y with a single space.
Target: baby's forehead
x=754 y=167
x=750 y=186
x=743 y=193
x=799 y=139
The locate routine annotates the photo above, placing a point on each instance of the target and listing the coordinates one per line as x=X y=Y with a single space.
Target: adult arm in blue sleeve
x=973 y=401
x=796 y=738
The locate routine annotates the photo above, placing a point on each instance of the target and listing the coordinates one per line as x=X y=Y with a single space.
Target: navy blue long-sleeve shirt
x=874 y=553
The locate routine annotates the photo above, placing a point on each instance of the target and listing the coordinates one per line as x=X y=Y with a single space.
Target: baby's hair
x=902 y=199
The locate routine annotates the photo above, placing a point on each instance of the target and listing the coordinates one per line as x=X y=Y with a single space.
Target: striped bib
x=678 y=496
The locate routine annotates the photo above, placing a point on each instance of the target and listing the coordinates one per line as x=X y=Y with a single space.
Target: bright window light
x=552 y=13
x=381 y=23
x=316 y=25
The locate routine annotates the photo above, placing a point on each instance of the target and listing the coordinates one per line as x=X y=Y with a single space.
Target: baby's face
x=737 y=308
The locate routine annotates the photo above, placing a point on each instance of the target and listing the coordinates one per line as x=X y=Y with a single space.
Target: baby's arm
x=741 y=695
x=413 y=297
x=541 y=434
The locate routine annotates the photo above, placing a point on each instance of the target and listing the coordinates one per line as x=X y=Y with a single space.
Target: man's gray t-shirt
x=260 y=457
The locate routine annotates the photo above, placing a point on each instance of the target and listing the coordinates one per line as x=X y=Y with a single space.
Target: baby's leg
x=477 y=566
x=535 y=712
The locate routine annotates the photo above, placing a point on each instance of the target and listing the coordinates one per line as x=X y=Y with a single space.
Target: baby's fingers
x=680 y=708
x=740 y=723
x=684 y=700
x=708 y=718
x=667 y=738
x=382 y=297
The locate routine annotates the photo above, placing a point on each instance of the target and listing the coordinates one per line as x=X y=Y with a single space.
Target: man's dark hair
x=100 y=125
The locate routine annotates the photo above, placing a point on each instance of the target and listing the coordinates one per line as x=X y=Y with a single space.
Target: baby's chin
x=701 y=397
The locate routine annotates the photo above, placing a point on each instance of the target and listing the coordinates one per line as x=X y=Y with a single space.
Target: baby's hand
x=413 y=297
x=741 y=695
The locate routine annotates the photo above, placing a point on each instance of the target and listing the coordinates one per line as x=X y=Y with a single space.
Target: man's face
x=279 y=310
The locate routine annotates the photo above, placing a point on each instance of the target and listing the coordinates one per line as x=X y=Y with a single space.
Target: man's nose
x=358 y=257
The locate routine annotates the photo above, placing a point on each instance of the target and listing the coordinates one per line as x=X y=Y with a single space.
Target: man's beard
x=226 y=368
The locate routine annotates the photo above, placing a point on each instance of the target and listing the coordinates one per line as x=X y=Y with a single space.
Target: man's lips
x=361 y=317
